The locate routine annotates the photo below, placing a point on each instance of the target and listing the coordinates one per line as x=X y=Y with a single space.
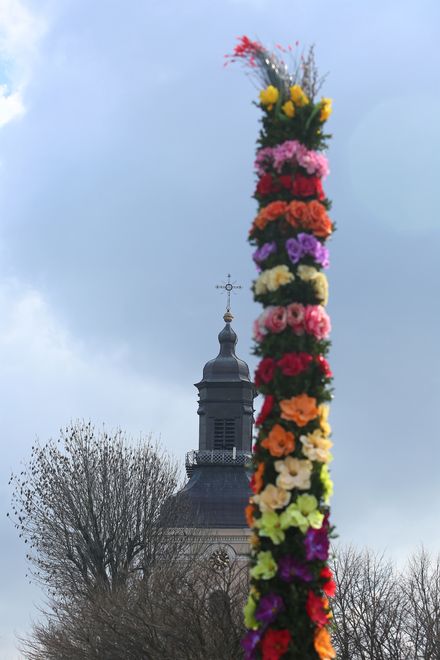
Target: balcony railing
x=199 y=457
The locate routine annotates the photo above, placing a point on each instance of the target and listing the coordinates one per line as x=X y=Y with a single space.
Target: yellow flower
x=288 y=108
x=269 y=96
x=316 y=446
x=319 y=281
x=320 y=286
x=272 y=279
x=307 y=273
x=298 y=96
x=326 y=109
x=293 y=473
x=271 y=498
x=279 y=276
x=327 y=483
x=323 y=412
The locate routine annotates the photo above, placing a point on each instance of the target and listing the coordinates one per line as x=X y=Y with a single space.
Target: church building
x=218 y=488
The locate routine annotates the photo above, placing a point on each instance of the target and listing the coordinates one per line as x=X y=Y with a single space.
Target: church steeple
x=226 y=396
x=218 y=488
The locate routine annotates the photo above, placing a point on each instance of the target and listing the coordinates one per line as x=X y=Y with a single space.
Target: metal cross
x=228 y=287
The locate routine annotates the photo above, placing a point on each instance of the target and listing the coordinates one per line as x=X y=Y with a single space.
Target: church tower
x=218 y=488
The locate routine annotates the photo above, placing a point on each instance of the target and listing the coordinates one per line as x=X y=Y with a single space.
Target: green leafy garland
x=287 y=613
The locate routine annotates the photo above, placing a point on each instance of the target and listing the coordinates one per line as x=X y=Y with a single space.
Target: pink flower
x=285 y=152
x=263 y=160
x=295 y=317
x=259 y=328
x=317 y=321
x=291 y=153
x=276 y=319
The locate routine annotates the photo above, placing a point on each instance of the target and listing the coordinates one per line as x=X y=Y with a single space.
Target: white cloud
x=20 y=35
x=11 y=105
x=49 y=377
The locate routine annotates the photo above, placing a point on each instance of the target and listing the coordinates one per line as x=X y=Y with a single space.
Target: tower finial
x=228 y=287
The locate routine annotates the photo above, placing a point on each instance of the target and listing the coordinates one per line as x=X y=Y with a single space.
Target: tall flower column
x=287 y=613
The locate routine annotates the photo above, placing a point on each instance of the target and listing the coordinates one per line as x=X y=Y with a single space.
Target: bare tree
x=186 y=609
x=421 y=588
x=369 y=608
x=107 y=541
x=90 y=507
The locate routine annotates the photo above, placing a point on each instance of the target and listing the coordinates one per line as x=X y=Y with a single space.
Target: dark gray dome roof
x=226 y=366
x=215 y=497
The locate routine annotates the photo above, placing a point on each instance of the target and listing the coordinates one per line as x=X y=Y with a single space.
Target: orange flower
x=323 y=645
x=279 y=442
x=257 y=479
x=270 y=212
x=318 y=221
x=296 y=213
x=275 y=209
x=249 y=513
x=300 y=409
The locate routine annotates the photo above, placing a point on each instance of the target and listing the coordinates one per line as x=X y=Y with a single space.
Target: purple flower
x=268 y=608
x=308 y=243
x=322 y=256
x=250 y=642
x=314 y=248
x=317 y=544
x=289 y=568
x=264 y=251
x=294 y=250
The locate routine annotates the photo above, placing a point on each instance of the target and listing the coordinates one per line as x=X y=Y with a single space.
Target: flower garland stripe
x=287 y=612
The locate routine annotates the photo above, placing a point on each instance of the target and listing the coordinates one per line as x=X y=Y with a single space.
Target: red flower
x=275 y=644
x=324 y=366
x=316 y=610
x=329 y=587
x=265 y=185
x=266 y=409
x=286 y=181
x=307 y=186
x=265 y=371
x=246 y=47
x=292 y=364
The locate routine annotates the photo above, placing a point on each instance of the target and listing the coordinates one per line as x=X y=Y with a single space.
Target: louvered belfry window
x=224 y=433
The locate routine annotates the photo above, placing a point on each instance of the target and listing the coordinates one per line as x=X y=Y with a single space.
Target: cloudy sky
x=126 y=155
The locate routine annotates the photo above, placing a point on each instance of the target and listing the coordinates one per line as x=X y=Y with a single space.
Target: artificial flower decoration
x=323 y=645
x=316 y=446
x=298 y=96
x=269 y=607
x=271 y=280
x=287 y=613
x=300 y=409
x=249 y=613
x=279 y=442
x=271 y=498
x=269 y=96
x=294 y=473
x=265 y=567
x=326 y=109
x=270 y=525
x=288 y=108
x=275 y=644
